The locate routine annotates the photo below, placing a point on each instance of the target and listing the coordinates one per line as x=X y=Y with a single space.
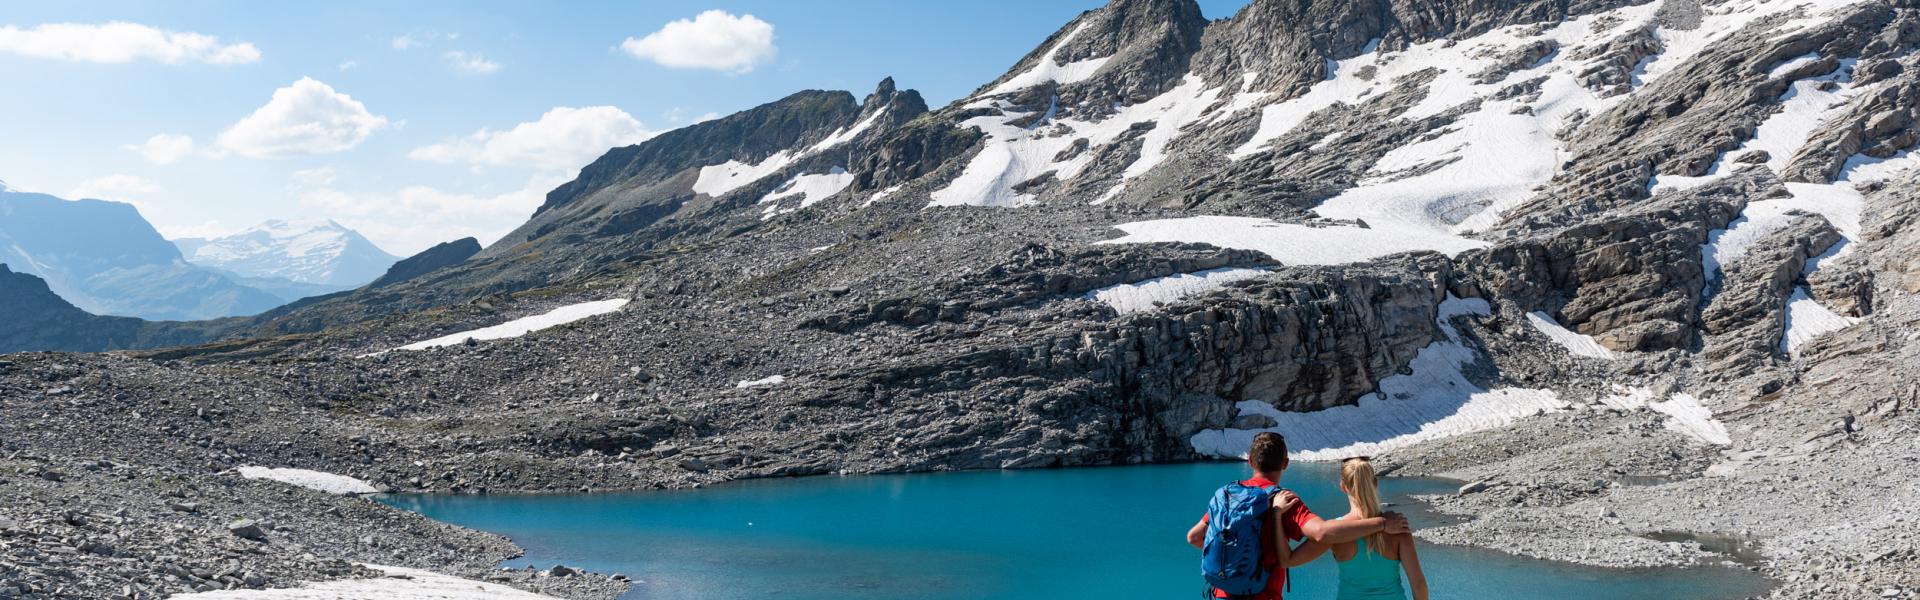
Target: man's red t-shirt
x=1270 y=554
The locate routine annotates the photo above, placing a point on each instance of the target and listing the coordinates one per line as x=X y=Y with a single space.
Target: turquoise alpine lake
x=1112 y=532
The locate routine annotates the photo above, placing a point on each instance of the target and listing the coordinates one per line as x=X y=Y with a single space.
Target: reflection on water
x=1114 y=532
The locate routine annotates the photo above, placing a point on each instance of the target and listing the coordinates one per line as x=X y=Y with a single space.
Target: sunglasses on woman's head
x=1365 y=458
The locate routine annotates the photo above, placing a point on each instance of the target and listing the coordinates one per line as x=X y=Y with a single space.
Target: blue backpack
x=1230 y=559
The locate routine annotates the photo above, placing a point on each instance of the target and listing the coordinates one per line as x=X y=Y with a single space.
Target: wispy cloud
x=163 y=149
x=118 y=186
x=563 y=139
x=122 y=42
x=415 y=217
x=471 y=63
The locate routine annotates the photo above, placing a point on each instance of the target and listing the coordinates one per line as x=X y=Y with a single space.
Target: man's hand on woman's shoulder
x=1284 y=501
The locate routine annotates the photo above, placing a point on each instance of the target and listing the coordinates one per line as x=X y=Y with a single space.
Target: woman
x=1369 y=567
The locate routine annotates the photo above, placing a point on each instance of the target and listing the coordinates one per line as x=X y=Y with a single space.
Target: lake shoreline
x=552 y=526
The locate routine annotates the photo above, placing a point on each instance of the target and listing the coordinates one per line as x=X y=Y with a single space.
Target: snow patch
x=1012 y=155
x=1289 y=243
x=717 y=180
x=1687 y=416
x=1861 y=168
x=399 y=584
x=810 y=189
x=313 y=480
x=1808 y=319
x=1577 y=343
x=1782 y=69
x=1435 y=400
x=1150 y=294
x=769 y=380
x=524 y=325
x=1048 y=70
x=847 y=135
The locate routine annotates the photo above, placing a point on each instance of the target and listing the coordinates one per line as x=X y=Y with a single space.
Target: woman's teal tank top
x=1370 y=576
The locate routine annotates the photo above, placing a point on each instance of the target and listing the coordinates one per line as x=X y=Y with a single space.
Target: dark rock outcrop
x=440 y=256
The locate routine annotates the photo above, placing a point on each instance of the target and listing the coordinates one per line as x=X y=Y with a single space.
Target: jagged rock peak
x=1128 y=50
x=901 y=105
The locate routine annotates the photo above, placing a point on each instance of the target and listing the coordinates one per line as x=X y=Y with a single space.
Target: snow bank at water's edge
x=399 y=584
x=313 y=480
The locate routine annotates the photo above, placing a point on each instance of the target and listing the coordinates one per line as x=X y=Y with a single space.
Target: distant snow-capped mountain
x=104 y=258
x=318 y=252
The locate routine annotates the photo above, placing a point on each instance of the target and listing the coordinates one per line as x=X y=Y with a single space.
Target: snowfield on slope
x=524 y=325
x=314 y=480
x=399 y=584
x=1424 y=195
x=1289 y=243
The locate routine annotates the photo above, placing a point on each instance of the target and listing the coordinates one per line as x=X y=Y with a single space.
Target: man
x=1289 y=519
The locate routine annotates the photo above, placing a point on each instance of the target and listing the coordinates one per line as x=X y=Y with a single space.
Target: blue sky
x=390 y=117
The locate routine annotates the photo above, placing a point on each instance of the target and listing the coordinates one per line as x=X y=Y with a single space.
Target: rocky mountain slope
x=1624 y=265
x=103 y=257
x=297 y=258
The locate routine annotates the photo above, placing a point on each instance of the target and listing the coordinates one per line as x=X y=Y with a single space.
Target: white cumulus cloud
x=471 y=63
x=715 y=40
x=307 y=117
x=121 y=42
x=163 y=149
x=118 y=186
x=564 y=138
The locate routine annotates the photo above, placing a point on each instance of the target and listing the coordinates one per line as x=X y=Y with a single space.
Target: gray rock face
x=1844 y=284
x=1894 y=211
x=1744 y=321
x=1631 y=278
x=1038 y=273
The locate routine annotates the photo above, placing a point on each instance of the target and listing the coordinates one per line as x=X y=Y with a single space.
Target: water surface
x=1116 y=532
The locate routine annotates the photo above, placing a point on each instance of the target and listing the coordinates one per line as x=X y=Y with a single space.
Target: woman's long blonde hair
x=1363 y=487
